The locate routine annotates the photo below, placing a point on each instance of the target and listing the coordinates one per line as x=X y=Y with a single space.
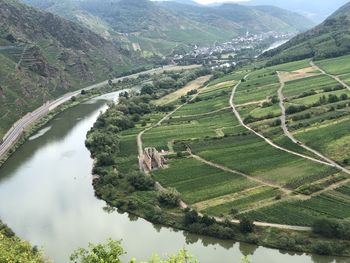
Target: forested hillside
x=43 y=56
x=329 y=39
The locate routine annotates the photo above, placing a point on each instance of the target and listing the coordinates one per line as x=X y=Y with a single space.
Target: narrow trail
x=293 y=139
x=252 y=178
x=202 y=114
x=336 y=78
x=238 y=116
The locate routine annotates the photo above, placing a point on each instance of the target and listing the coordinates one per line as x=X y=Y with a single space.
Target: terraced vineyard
x=275 y=160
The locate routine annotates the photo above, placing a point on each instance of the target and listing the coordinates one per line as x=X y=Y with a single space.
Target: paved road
x=292 y=138
x=18 y=128
x=238 y=116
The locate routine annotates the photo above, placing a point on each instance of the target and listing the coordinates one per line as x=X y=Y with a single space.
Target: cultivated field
x=280 y=161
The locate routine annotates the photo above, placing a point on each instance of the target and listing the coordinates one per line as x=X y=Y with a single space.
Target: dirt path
x=139 y=136
x=292 y=138
x=193 y=85
x=238 y=116
x=203 y=114
x=336 y=78
x=252 y=178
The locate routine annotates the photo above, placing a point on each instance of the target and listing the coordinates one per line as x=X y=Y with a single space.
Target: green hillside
x=44 y=56
x=329 y=39
x=159 y=27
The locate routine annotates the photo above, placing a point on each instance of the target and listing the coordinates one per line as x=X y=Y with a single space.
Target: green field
x=198 y=182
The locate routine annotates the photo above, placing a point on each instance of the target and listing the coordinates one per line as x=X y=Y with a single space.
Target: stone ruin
x=152 y=159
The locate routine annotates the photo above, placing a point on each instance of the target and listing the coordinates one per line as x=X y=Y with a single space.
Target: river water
x=46 y=197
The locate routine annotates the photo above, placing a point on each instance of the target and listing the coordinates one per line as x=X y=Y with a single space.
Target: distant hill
x=329 y=39
x=242 y=18
x=317 y=10
x=43 y=56
x=159 y=27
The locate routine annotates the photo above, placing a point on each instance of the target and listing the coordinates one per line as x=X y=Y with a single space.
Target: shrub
x=169 y=197
x=331 y=228
x=246 y=225
x=322 y=248
x=191 y=217
x=141 y=182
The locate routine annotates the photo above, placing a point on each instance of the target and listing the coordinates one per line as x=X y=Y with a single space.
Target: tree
x=246 y=225
x=113 y=251
x=169 y=197
x=110 y=252
x=147 y=89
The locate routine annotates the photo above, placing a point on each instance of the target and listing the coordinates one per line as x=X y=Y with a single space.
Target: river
x=47 y=198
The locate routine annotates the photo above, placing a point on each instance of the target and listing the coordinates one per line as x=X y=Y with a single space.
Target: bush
x=331 y=228
x=246 y=225
x=191 y=217
x=322 y=248
x=141 y=182
x=169 y=197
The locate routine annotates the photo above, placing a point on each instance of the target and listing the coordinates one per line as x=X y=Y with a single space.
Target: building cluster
x=226 y=52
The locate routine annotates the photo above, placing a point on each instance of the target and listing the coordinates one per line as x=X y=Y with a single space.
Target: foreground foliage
x=13 y=249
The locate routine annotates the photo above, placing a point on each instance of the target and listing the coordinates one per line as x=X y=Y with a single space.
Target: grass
x=335 y=66
x=330 y=138
x=196 y=84
x=251 y=155
x=187 y=129
x=204 y=106
x=297 y=87
x=259 y=196
x=198 y=182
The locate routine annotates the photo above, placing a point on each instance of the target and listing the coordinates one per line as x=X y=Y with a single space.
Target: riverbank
x=27 y=125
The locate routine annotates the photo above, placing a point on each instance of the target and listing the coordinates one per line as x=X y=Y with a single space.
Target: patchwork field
x=280 y=162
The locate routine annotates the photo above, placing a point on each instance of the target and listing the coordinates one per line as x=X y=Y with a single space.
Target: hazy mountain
x=317 y=10
x=43 y=56
x=243 y=18
x=159 y=27
x=329 y=39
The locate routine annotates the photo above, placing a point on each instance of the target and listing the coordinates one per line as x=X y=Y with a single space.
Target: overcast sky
x=215 y=1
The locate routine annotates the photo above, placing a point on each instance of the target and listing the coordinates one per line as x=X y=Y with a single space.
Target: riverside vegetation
x=223 y=170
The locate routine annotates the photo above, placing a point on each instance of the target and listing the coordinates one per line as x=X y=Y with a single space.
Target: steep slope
x=329 y=39
x=242 y=18
x=159 y=27
x=43 y=56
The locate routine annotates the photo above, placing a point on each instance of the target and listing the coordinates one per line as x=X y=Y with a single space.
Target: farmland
x=280 y=182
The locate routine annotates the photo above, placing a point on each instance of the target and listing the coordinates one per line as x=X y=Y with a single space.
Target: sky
x=215 y=1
